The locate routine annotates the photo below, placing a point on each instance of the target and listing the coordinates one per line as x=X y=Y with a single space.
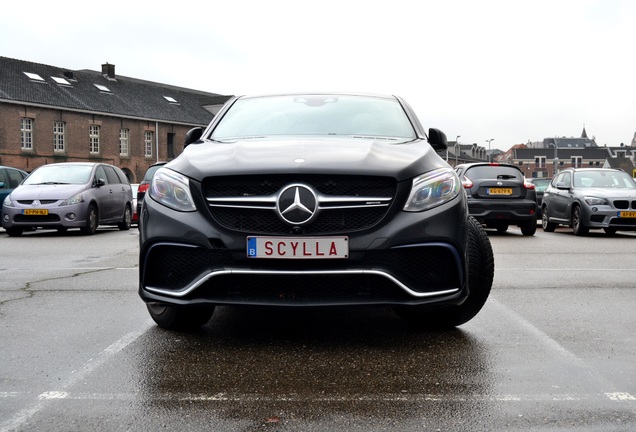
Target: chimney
x=108 y=70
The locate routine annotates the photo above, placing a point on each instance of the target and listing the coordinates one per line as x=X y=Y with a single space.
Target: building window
x=26 y=133
x=148 y=143
x=577 y=161
x=93 y=139
x=123 y=142
x=59 y=130
x=539 y=161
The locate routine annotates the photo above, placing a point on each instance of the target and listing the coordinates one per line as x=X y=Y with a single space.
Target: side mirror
x=1 y=184
x=100 y=182
x=192 y=135
x=562 y=185
x=437 y=139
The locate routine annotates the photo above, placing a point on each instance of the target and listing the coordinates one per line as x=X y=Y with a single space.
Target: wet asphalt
x=553 y=349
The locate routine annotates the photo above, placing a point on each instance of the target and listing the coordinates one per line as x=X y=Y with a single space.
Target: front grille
x=627 y=222
x=422 y=269
x=43 y=202
x=624 y=204
x=50 y=218
x=248 y=213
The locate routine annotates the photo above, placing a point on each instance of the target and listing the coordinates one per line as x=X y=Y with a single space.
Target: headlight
x=590 y=200
x=7 y=201
x=172 y=190
x=433 y=189
x=73 y=200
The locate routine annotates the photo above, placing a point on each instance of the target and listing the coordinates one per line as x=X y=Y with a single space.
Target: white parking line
x=75 y=376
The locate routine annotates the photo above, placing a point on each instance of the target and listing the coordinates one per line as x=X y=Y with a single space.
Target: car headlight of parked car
x=433 y=189
x=75 y=199
x=172 y=190
x=7 y=201
x=591 y=200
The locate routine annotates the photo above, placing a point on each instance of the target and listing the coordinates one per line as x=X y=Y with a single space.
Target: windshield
x=603 y=179
x=361 y=116
x=541 y=185
x=60 y=174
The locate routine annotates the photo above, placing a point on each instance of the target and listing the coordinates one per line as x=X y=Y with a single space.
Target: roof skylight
x=61 y=81
x=34 y=76
x=170 y=99
x=102 y=88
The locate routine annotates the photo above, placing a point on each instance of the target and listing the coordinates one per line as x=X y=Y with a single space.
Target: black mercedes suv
x=296 y=200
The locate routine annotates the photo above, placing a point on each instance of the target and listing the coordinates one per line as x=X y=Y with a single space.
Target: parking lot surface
x=552 y=350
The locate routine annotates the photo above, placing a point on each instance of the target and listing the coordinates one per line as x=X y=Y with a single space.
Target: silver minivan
x=67 y=195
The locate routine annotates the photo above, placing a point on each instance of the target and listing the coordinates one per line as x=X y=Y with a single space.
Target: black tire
x=14 y=232
x=481 y=271
x=91 y=221
x=126 y=222
x=530 y=227
x=545 y=223
x=577 y=222
x=180 y=317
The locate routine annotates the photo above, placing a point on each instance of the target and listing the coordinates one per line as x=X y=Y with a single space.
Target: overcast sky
x=514 y=71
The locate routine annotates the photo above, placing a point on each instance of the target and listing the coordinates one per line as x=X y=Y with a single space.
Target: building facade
x=50 y=114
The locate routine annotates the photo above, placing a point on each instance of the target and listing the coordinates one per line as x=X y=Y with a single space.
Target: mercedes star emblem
x=297 y=204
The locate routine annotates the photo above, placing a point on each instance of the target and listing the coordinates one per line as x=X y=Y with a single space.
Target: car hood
x=608 y=193
x=337 y=155
x=46 y=192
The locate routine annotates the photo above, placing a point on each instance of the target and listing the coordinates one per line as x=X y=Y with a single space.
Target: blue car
x=10 y=178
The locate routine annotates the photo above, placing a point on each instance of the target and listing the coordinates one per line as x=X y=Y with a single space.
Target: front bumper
x=70 y=216
x=412 y=259
x=607 y=217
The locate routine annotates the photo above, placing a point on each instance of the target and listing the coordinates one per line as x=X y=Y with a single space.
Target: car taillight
x=143 y=188
x=527 y=184
x=467 y=183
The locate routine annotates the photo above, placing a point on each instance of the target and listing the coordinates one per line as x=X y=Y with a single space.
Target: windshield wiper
x=50 y=183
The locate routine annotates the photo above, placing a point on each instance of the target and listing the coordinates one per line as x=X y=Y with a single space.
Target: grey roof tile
x=128 y=97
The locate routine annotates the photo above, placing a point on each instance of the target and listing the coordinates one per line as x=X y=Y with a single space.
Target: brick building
x=52 y=114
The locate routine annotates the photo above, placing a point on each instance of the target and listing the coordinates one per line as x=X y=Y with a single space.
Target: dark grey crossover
x=499 y=196
x=298 y=200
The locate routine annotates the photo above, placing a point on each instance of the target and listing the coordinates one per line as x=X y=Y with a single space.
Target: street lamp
x=456 y=149
x=556 y=158
x=489 y=154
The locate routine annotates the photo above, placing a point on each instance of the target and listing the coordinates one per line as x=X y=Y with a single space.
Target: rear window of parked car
x=493 y=172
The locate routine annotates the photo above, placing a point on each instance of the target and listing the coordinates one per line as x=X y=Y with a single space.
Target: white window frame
x=59 y=136
x=540 y=161
x=93 y=139
x=577 y=161
x=26 y=133
x=148 y=142
x=124 y=148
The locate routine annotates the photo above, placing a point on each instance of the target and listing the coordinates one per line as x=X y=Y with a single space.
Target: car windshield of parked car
x=603 y=179
x=541 y=185
x=60 y=174
x=331 y=115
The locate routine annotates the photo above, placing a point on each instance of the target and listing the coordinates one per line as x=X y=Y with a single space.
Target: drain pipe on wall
x=157 y=139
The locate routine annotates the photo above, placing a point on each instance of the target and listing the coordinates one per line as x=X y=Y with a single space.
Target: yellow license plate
x=627 y=214
x=499 y=191
x=35 y=212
